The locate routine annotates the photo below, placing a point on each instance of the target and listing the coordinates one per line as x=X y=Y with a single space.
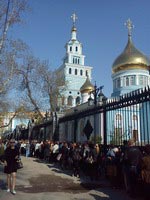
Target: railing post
x=104 y=123
x=105 y=127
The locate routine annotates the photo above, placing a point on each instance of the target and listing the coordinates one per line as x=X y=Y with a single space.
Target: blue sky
x=100 y=27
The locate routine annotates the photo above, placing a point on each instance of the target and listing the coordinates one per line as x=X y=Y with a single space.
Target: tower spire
x=74 y=30
x=129 y=26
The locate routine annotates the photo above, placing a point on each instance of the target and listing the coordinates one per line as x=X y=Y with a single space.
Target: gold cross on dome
x=129 y=26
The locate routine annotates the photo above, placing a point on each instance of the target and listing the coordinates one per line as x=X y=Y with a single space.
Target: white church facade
x=73 y=71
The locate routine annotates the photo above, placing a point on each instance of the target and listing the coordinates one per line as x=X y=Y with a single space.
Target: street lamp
x=98 y=98
x=97 y=94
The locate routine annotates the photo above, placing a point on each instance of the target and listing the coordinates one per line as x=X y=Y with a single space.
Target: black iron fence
x=123 y=118
x=128 y=117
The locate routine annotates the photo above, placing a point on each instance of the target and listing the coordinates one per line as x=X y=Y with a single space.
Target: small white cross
x=74 y=18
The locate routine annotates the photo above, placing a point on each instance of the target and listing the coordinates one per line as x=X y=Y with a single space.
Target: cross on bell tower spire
x=74 y=30
x=74 y=18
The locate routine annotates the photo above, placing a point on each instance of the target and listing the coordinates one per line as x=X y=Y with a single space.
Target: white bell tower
x=73 y=70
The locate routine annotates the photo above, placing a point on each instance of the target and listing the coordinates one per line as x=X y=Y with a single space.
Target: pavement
x=44 y=181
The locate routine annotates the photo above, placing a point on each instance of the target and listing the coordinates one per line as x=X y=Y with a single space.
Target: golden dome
x=87 y=87
x=130 y=58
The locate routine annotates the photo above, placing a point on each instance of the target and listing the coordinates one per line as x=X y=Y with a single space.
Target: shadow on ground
x=52 y=183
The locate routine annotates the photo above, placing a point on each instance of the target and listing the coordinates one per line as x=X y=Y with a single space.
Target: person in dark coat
x=10 y=165
x=132 y=160
x=145 y=172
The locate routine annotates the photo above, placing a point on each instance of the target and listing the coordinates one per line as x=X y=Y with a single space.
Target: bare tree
x=39 y=85
x=10 y=14
x=51 y=85
x=29 y=83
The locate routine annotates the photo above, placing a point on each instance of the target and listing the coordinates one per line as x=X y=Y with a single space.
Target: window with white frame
x=76 y=60
x=86 y=72
x=70 y=70
x=118 y=83
x=141 y=80
x=127 y=81
x=70 y=101
x=76 y=72
x=132 y=80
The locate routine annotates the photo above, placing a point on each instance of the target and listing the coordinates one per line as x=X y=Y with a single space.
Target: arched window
x=77 y=100
x=81 y=72
x=70 y=48
x=127 y=81
x=76 y=48
x=145 y=82
x=76 y=72
x=76 y=60
x=86 y=73
x=141 y=80
x=132 y=80
x=70 y=100
x=70 y=70
x=118 y=82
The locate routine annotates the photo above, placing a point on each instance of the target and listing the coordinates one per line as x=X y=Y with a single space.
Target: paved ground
x=43 y=181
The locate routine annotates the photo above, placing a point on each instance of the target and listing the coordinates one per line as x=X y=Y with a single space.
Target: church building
x=73 y=71
x=130 y=70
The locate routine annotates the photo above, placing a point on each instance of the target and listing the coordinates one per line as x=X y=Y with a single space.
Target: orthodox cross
x=129 y=26
x=74 y=18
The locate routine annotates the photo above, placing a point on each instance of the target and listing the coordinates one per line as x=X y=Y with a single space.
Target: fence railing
x=123 y=118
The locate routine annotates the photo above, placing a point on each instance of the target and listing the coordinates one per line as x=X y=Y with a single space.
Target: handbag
x=19 y=164
x=59 y=156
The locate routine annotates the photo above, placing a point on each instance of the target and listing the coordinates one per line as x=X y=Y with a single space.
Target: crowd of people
x=126 y=166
